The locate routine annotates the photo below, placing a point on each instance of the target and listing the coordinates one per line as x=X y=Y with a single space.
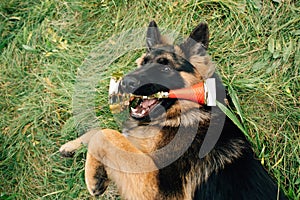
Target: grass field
x=255 y=45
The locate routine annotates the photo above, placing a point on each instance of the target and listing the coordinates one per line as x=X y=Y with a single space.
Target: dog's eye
x=163 y=61
x=146 y=59
x=165 y=68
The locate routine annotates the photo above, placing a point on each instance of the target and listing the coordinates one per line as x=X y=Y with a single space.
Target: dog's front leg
x=95 y=175
x=68 y=149
x=133 y=171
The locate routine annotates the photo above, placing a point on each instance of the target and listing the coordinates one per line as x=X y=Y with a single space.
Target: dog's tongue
x=143 y=108
x=147 y=103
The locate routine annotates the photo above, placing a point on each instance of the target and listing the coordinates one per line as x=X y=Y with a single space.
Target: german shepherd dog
x=228 y=171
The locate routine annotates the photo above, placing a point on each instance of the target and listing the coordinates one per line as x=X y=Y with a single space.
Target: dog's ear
x=153 y=37
x=197 y=42
x=194 y=49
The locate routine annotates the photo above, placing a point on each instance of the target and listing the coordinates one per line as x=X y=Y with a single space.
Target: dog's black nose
x=129 y=84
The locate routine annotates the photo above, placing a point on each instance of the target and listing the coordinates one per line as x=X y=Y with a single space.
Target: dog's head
x=164 y=67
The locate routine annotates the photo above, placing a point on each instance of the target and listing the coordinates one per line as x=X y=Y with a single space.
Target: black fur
x=245 y=178
x=102 y=180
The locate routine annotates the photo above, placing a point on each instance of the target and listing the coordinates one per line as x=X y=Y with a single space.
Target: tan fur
x=203 y=64
x=72 y=146
x=190 y=79
x=178 y=51
x=123 y=162
x=165 y=40
x=135 y=186
x=139 y=61
x=115 y=151
x=167 y=56
x=144 y=138
x=91 y=167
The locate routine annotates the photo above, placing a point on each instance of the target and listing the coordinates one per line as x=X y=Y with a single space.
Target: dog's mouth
x=141 y=107
x=140 y=103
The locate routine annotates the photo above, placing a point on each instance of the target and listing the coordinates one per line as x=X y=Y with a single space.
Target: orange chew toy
x=195 y=93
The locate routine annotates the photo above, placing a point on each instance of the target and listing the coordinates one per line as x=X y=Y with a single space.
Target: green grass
x=255 y=44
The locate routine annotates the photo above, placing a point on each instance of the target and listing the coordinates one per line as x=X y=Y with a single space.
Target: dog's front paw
x=95 y=176
x=68 y=149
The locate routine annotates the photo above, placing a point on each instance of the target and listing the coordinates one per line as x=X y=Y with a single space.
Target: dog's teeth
x=133 y=110
x=143 y=112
